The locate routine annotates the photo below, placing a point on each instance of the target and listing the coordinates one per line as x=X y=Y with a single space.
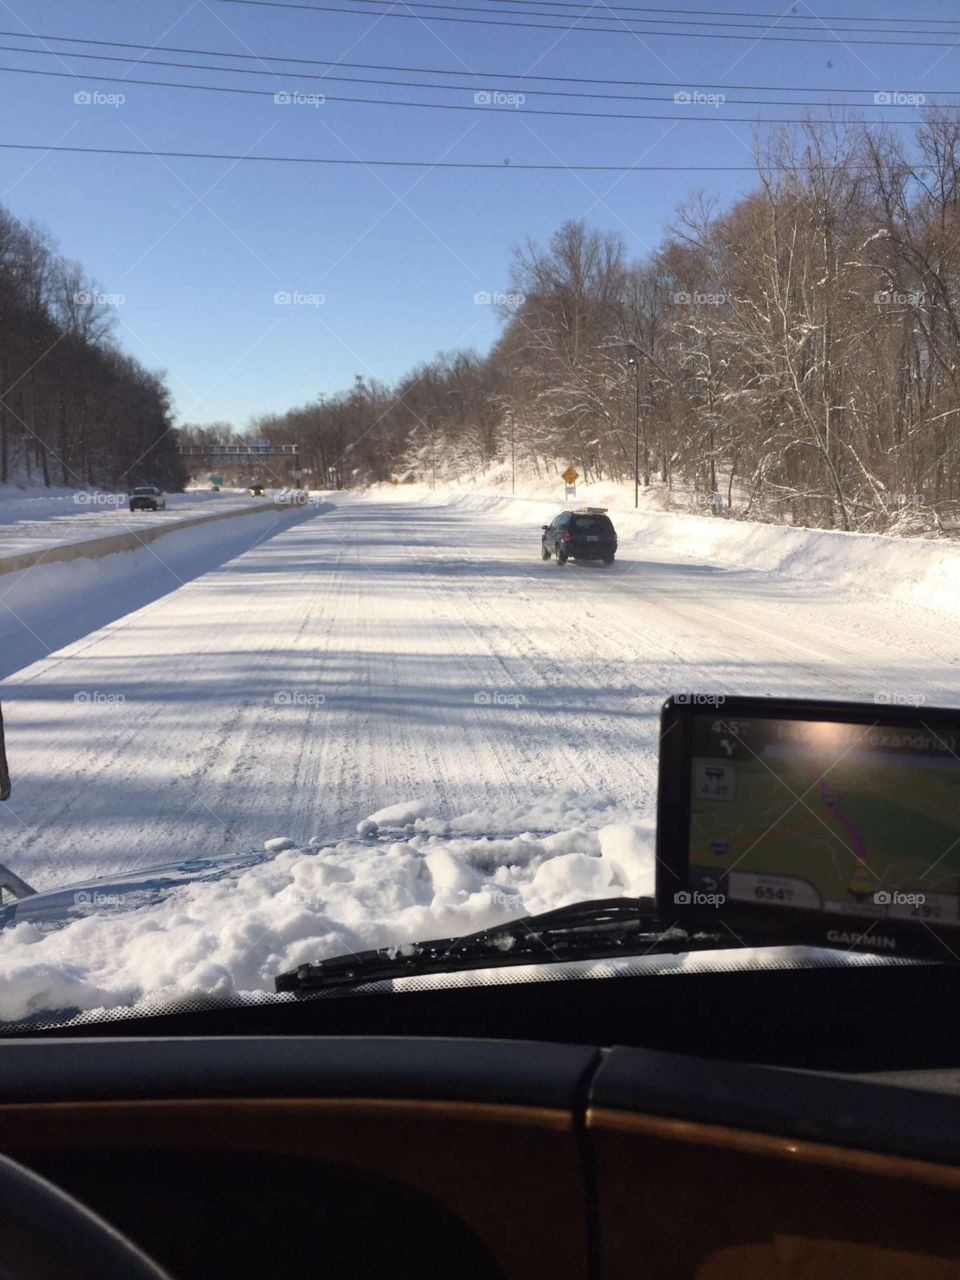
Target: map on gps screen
x=850 y=818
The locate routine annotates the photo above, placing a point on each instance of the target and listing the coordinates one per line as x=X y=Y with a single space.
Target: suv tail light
x=566 y=536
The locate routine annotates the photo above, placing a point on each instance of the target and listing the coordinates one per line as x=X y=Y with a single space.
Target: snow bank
x=234 y=934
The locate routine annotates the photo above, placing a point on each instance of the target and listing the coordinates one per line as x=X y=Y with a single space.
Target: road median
x=129 y=540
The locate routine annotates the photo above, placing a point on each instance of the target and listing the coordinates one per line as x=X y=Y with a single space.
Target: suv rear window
x=592 y=524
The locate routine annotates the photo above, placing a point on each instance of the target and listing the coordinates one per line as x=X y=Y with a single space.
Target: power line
x=679 y=19
x=264 y=58
x=428 y=164
x=406 y=84
x=623 y=30
x=487 y=107
x=742 y=13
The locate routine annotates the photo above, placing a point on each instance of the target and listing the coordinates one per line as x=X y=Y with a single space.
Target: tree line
x=792 y=357
x=74 y=409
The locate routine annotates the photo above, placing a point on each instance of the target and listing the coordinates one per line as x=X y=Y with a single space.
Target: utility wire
x=412 y=84
x=740 y=13
x=678 y=18
x=485 y=73
x=622 y=30
x=429 y=164
x=487 y=107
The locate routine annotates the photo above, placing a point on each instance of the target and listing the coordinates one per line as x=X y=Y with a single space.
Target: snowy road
x=387 y=651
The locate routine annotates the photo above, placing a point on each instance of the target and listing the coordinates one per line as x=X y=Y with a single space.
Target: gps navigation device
x=825 y=823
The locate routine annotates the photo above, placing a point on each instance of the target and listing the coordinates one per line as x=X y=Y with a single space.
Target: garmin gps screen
x=826 y=816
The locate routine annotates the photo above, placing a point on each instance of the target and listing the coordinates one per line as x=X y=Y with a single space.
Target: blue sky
x=198 y=249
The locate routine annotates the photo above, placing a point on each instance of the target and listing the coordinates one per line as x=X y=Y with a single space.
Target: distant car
x=256 y=491
x=148 y=497
x=585 y=534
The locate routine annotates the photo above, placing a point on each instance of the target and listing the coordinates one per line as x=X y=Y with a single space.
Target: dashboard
x=504 y=1157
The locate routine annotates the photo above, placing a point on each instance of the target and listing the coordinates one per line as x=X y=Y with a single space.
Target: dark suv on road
x=586 y=534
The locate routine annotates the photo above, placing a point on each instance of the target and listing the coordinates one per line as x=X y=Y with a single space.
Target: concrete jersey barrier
x=96 y=548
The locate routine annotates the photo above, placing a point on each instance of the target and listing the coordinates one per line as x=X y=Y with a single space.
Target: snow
x=626 y=853
x=51 y=605
x=397 y=815
x=924 y=571
x=45 y=520
x=310 y=693
x=303 y=904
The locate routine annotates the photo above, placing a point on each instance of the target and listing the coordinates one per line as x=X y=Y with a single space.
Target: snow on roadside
x=918 y=571
x=54 y=604
x=235 y=934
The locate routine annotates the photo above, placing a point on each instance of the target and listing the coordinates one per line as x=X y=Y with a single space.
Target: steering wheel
x=47 y=1235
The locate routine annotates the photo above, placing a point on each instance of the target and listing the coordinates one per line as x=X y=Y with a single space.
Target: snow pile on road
x=415 y=880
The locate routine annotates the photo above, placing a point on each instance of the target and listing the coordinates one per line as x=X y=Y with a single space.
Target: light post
x=633 y=360
x=432 y=423
x=513 y=454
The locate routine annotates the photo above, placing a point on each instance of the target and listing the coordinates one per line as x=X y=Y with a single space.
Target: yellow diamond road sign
x=570 y=476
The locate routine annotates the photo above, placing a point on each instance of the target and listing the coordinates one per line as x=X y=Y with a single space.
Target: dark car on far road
x=148 y=497
x=585 y=534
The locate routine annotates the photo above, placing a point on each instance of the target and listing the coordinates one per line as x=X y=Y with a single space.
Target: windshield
x=368 y=298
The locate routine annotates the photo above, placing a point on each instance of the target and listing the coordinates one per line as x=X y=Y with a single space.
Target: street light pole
x=636 y=431
x=513 y=455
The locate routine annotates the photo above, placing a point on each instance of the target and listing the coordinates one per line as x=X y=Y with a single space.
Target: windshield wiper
x=583 y=931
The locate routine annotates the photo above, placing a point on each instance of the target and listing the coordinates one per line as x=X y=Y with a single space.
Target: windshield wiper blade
x=583 y=931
